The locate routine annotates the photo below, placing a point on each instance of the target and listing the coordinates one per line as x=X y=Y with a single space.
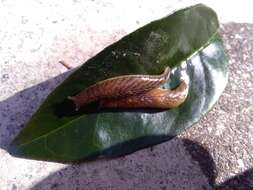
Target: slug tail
x=75 y=101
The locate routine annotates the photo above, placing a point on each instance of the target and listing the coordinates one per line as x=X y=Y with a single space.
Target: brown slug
x=119 y=87
x=156 y=98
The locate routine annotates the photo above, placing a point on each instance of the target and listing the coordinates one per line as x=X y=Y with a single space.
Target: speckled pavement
x=216 y=153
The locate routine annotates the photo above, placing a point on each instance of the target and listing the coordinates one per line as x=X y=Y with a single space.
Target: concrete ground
x=214 y=153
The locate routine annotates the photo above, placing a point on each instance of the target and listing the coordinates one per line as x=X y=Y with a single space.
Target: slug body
x=156 y=98
x=119 y=87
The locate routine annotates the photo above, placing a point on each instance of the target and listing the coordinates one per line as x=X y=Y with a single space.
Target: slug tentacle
x=156 y=98
x=119 y=87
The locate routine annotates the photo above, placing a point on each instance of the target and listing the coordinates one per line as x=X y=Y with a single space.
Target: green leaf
x=187 y=41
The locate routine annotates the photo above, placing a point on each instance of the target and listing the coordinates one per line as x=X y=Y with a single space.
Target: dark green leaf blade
x=57 y=132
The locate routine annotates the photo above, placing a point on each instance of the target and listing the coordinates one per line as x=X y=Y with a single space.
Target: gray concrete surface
x=216 y=152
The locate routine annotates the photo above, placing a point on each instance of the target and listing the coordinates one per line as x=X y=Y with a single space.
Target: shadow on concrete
x=170 y=169
x=204 y=159
x=16 y=110
x=243 y=181
x=108 y=174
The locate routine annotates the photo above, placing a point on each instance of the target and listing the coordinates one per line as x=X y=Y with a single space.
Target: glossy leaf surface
x=187 y=41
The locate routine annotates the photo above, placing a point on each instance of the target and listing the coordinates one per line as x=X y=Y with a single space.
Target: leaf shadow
x=162 y=167
x=242 y=181
x=166 y=166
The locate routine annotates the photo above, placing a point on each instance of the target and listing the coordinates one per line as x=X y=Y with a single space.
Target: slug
x=156 y=98
x=119 y=87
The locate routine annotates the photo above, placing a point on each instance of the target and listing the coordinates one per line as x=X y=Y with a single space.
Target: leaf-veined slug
x=156 y=98
x=118 y=87
x=133 y=91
